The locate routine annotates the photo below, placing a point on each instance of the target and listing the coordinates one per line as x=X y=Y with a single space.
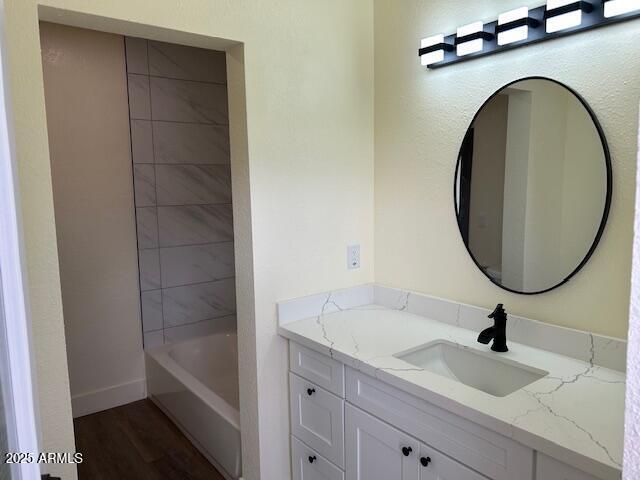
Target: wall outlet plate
x=353 y=256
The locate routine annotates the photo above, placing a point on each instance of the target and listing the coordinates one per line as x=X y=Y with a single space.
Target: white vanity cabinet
x=346 y=425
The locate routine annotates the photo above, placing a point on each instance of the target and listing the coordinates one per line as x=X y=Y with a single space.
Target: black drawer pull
x=311 y=391
x=425 y=461
x=312 y=458
x=406 y=451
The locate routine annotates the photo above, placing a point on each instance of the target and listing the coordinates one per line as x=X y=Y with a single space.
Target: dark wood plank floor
x=137 y=442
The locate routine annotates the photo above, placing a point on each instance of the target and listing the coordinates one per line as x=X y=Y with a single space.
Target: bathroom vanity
x=389 y=385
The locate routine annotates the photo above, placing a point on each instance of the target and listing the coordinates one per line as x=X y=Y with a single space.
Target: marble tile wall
x=182 y=183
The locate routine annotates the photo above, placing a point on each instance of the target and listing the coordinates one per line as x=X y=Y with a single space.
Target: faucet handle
x=498 y=312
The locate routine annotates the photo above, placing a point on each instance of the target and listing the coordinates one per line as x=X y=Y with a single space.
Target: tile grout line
x=205 y=282
x=226 y=204
x=186 y=164
x=182 y=122
x=191 y=324
x=209 y=319
x=176 y=79
x=187 y=244
x=217 y=84
x=211 y=165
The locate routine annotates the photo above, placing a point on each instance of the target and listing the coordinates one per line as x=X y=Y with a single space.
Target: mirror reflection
x=532 y=186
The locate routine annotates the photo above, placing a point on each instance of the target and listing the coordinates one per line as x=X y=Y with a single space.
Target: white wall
x=420 y=120
x=88 y=124
x=301 y=82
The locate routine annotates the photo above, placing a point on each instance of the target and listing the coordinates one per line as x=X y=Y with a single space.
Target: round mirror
x=533 y=185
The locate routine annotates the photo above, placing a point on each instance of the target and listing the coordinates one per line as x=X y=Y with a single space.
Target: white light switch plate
x=353 y=256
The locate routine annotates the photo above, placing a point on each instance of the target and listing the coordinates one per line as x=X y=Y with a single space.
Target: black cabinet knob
x=425 y=461
x=406 y=451
x=312 y=459
x=311 y=391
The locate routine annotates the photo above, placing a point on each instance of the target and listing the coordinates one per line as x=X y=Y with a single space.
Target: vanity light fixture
x=470 y=38
x=613 y=8
x=513 y=26
x=432 y=49
x=564 y=14
x=524 y=26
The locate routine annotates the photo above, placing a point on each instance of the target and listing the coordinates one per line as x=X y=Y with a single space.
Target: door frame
x=241 y=187
x=23 y=432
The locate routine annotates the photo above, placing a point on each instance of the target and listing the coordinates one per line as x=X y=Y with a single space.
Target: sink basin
x=484 y=371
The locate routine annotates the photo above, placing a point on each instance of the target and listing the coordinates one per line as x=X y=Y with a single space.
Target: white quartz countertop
x=575 y=414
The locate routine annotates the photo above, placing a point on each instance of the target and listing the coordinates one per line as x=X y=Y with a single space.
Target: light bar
x=613 y=8
x=524 y=26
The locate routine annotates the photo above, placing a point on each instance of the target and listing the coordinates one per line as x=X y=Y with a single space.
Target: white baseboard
x=106 y=398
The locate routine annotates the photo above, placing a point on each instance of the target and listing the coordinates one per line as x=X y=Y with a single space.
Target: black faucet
x=498 y=332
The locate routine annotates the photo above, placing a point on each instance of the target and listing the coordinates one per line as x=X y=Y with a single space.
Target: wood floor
x=137 y=442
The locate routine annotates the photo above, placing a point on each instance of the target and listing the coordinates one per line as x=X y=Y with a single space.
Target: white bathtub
x=196 y=384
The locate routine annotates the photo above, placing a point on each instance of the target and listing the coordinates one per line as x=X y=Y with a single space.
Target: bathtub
x=196 y=384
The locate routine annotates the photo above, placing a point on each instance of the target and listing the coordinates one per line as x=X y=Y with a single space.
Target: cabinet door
x=436 y=466
x=377 y=451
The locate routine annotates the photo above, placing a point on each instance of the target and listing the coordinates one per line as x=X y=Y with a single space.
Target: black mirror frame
x=607 y=206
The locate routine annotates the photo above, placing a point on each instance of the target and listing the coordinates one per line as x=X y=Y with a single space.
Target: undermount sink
x=484 y=371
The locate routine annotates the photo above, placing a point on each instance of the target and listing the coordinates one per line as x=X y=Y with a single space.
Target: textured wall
x=420 y=120
x=182 y=177
x=301 y=102
x=632 y=423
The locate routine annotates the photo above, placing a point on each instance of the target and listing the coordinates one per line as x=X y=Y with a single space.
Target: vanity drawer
x=304 y=469
x=485 y=451
x=317 y=418
x=320 y=369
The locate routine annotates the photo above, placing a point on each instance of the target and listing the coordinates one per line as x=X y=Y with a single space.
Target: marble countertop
x=575 y=414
